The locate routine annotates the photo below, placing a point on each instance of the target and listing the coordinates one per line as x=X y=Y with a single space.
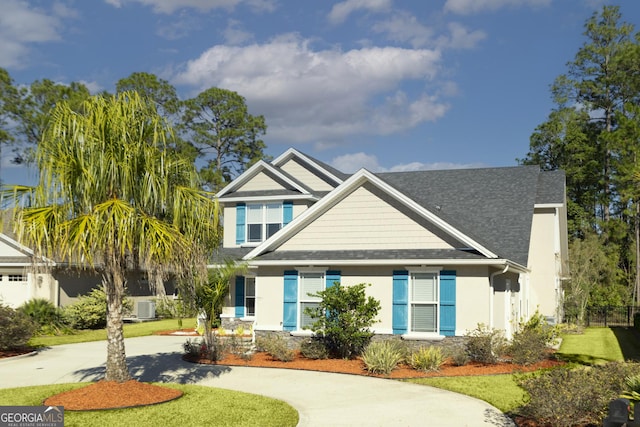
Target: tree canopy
x=112 y=197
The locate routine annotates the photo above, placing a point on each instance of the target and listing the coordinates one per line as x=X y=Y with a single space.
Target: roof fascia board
x=347 y=186
x=547 y=205
x=268 y=198
x=499 y=263
x=253 y=171
x=293 y=152
x=17 y=245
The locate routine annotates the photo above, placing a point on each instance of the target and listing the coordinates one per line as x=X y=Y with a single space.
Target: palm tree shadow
x=160 y=367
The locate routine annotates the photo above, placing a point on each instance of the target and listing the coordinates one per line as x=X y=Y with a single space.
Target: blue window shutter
x=241 y=221
x=290 y=309
x=448 y=303
x=400 y=301
x=331 y=277
x=287 y=213
x=239 y=296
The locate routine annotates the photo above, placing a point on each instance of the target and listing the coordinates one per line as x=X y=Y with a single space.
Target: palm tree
x=210 y=294
x=111 y=196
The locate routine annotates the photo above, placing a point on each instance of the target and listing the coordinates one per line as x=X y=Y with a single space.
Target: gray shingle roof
x=551 y=187
x=494 y=206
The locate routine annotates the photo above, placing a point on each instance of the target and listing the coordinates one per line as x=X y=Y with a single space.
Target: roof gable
x=317 y=171
x=438 y=230
x=263 y=179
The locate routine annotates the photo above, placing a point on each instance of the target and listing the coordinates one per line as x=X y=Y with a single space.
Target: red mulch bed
x=357 y=367
x=113 y=395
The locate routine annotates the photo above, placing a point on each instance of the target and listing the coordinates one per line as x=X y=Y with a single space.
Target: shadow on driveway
x=160 y=367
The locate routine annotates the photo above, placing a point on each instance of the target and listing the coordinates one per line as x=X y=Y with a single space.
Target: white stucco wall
x=473 y=296
x=544 y=261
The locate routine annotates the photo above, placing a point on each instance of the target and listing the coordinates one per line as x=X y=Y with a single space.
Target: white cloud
x=460 y=37
x=326 y=95
x=350 y=163
x=467 y=7
x=170 y=6
x=341 y=11
x=404 y=27
x=234 y=34
x=22 y=25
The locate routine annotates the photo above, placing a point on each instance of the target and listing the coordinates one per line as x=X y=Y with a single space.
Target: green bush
x=382 y=357
x=568 y=397
x=314 y=348
x=427 y=358
x=527 y=347
x=16 y=328
x=48 y=317
x=484 y=344
x=90 y=310
x=459 y=357
x=276 y=346
x=215 y=350
x=343 y=318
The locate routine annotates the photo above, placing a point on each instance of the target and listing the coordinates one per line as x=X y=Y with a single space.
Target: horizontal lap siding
x=364 y=221
x=306 y=177
x=261 y=182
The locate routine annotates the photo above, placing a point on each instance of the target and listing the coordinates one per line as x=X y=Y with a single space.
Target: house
x=23 y=277
x=443 y=250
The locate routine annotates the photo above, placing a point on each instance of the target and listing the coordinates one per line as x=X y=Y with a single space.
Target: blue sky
x=382 y=84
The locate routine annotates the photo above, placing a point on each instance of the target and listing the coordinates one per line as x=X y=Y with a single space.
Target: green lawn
x=595 y=345
x=601 y=345
x=130 y=330
x=500 y=391
x=198 y=406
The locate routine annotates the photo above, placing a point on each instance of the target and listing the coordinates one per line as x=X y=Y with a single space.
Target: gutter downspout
x=492 y=292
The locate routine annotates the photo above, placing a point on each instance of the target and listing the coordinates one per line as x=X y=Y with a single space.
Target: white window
x=263 y=221
x=423 y=304
x=250 y=296
x=310 y=283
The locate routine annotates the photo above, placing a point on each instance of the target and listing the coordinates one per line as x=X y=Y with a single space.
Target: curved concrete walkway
x=322 y=399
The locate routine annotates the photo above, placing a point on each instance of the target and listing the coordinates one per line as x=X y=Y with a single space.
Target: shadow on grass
x=160 y=367
x=581 y=359
x=629 y=341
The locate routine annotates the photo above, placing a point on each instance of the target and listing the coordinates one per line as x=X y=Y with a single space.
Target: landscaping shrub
x=343 y=317
x=427 y=358
x=90 y=311
x=276 y=346
x=16 y=328
x=527 y=347
x=485 y=345
x=314 y=348
x=382 y=357
x=47 y=316
x=459 y=357
x=568 y=397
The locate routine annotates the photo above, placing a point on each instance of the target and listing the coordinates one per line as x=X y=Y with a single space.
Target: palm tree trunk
x=116 y=357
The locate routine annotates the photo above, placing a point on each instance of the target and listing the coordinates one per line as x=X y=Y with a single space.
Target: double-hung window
x=310 y=283
x=249 y=296
x=263 y=221
x=423 y=302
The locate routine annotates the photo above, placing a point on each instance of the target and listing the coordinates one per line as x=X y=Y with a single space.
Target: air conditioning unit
x=146 y=310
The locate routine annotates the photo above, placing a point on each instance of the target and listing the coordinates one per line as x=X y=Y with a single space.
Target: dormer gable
x=315 y=174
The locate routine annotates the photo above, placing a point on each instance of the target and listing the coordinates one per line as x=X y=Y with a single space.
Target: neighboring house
x=22 y=279
x=443 y=250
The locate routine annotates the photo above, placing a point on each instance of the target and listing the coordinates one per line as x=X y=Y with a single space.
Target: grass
x=500 y=391
x=594 y=346
x=199 y=403
x=131 y=330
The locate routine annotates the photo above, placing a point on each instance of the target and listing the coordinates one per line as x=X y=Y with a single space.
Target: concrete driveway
x=321 y=399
